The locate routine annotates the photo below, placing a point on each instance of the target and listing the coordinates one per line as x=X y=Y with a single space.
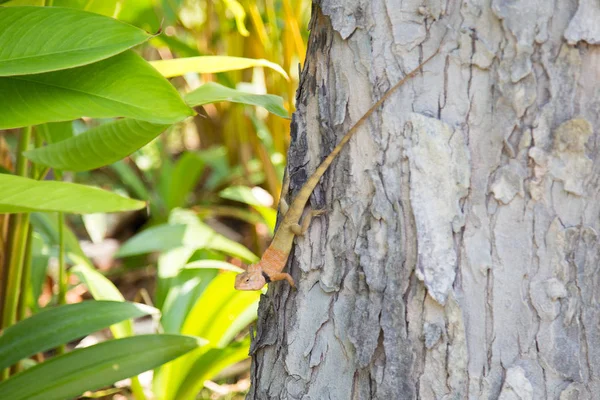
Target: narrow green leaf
x=101 y=288
x=210 y=65
x=26 y=195
x=43 y=39
x=47 y=225
x=98 y=146
x=184 y=177
x=69 y=375
x=124 y=85
x=213 y=92
x=52 y=327
x=235 y=8
x=213 y=264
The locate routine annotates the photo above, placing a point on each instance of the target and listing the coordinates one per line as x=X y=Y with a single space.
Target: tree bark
x=459 y=257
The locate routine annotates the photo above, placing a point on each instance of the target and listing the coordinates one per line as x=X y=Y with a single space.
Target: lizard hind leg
x=300 y=230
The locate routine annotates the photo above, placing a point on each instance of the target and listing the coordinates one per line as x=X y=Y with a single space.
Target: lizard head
x=251 y=279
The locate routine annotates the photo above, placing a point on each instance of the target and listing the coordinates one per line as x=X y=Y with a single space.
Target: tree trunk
x=459 y=257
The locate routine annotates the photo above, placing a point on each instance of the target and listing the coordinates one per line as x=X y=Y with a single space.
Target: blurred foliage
x=212 y=181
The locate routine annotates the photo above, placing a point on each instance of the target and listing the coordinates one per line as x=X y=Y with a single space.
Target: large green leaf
x=215 y=315
x=185 y=288
x=124 y=85
x=210 y=65
x=208 y=365
x=55 y=326
x=213 y=92
x=20 y=194
x=93 y=367
x=43 y=39
x=98 y=146
x=218 y=309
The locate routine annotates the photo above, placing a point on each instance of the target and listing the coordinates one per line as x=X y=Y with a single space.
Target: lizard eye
x=247 y=279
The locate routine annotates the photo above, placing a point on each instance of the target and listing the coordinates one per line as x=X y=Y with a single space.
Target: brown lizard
x=271 y=265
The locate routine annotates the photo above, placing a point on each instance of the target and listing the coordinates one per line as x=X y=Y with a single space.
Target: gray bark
x=459 y=256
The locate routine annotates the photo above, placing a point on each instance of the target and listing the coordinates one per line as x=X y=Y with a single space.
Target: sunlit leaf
x=209 y=364
x=244 y=194
x=213 y=264
x=99 y=146
x=211 y=65
x=170 y=236
x=101 y=288
x=213 y=92
x=43 y=39
x=239 y=14
x=90 y=368
x=124 y=85
x=26 y=195
x=185 y=288
x=52 y=327
x=218 y=307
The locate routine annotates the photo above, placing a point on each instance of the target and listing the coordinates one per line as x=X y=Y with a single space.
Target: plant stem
x=17 y=238
x=137 y=389
x=62 y=270
x=26 y=276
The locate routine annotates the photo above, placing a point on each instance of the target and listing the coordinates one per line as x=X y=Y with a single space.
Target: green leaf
x=184 y=177
x=239 y=14
x=210 y=65
x=55 y=326
x=215 y=315
x=121 y=86
x=43 y=39
x=213 y=264
x=104 y=7
x=47 y=225
x=218 y=308
x=130 y=180
x=185 y=288
x=69 y=375
x=101 y=288
x=170 y=236
x=210 y=364
x=213 y=92
x=26 y=195
x=98 y=146
x=244 y=194
x=55 y=132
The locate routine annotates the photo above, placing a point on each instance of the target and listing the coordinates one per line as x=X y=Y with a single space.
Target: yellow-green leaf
x=211 y=65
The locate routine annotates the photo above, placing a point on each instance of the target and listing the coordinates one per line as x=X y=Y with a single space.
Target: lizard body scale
x=271 y=265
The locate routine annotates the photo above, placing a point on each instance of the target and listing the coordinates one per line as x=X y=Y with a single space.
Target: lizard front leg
x=279 y=276
x=300 y=230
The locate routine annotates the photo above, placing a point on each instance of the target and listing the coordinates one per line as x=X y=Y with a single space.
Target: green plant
x=55 y=68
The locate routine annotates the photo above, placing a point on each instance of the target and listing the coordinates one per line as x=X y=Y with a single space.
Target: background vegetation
x=204 y=151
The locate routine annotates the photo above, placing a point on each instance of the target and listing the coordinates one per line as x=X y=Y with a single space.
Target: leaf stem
x=17 y=239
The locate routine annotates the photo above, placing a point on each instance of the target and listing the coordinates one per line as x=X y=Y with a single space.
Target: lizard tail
x=302 y=197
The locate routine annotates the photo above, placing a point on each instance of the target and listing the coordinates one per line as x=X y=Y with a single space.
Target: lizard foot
x=300 y=230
